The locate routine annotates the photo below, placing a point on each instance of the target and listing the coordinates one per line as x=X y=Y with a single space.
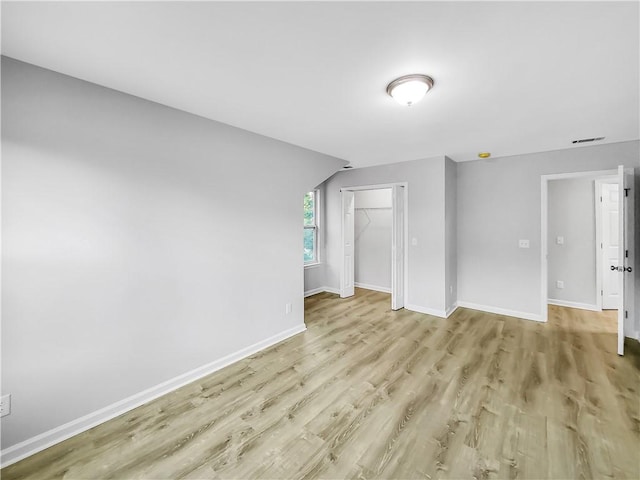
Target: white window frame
x=316 y=227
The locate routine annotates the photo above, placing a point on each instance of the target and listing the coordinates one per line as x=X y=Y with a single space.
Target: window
x=311 y=228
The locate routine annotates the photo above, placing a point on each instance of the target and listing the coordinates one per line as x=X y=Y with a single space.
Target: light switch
x=414 y=241
x=560 y=240
x=523 y=243
x=559 y=284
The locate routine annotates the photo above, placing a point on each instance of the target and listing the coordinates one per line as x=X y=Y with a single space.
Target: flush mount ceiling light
x=484 y=154
x=409 y=89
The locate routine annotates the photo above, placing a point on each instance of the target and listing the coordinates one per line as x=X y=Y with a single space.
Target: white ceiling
x=510 y=77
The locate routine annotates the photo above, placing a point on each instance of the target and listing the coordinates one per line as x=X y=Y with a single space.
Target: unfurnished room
x=286 y=240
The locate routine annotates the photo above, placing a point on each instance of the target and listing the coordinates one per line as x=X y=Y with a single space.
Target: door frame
x=347 y=244
x=405 y=232
x=544 y=218
x=599 y=252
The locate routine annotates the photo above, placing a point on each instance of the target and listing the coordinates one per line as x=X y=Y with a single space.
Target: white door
x=624 y=267
x=610 y=245
x=397 y=248
x=348 y=232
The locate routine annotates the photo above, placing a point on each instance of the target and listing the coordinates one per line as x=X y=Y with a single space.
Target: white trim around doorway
x=544 y=214
x=405 y=186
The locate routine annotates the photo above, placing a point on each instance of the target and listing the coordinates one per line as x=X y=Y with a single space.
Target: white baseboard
x=426 y=310
x=366 y=286
x=35 y=444
x=501 y=311
x=582 y=306
x=313 y=291
x=451 y=309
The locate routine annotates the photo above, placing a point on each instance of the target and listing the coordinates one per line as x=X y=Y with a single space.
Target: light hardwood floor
x=367 y=392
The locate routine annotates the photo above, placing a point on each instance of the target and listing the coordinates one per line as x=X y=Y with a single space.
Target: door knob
x=622 y=269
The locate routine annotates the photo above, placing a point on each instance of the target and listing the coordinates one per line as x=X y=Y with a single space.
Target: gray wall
x=132 y=236
x=572 y=216
x=426 y=221
x=313 y=277
x=373 y=238
x=451 y=233
x=499 y=203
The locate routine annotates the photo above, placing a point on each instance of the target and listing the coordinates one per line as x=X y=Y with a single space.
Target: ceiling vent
x=587 y=140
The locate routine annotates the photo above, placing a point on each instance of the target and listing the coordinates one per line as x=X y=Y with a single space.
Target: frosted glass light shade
x=409 y=89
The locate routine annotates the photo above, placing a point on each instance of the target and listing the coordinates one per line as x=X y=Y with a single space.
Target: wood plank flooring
x=367 y=392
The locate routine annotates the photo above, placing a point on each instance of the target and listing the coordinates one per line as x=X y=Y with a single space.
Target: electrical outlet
x=560 y=240
x=523 y=243
x=287 y=308
x=5 y=405
x=559 y=284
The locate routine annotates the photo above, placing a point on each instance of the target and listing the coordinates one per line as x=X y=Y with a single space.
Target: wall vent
x=586 y=140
